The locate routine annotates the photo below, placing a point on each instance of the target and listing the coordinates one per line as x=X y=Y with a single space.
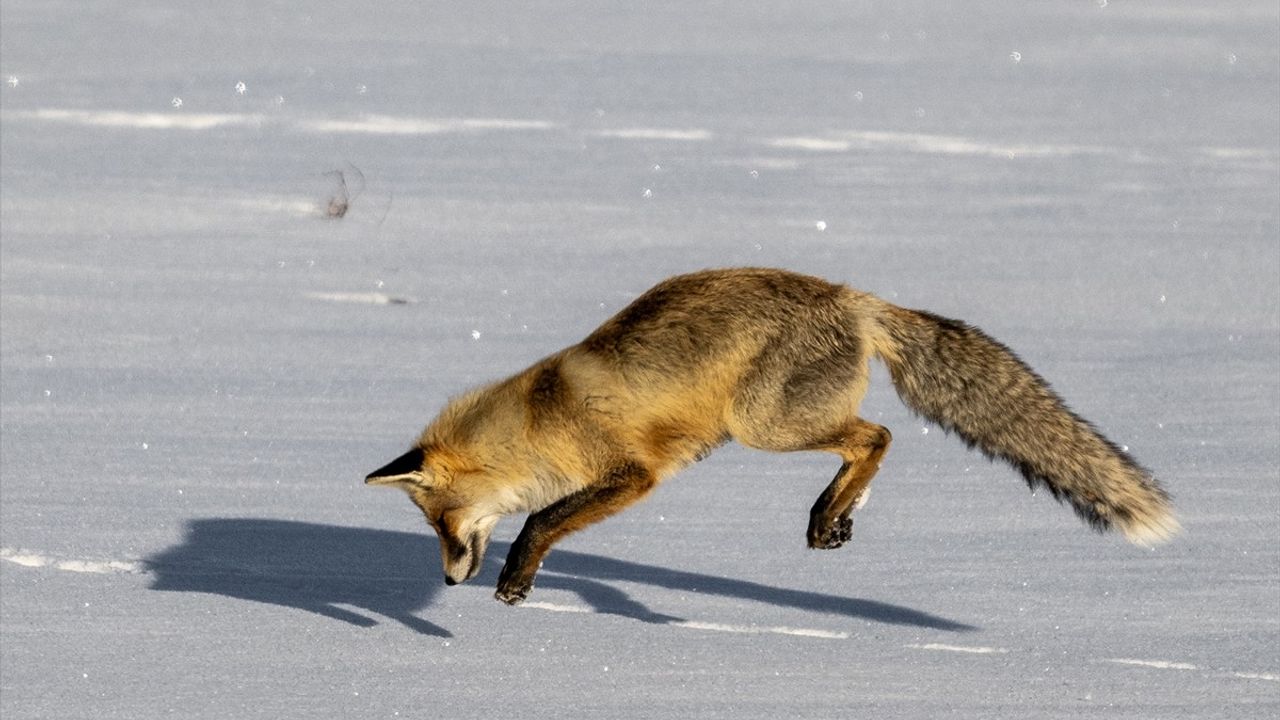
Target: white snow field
x=250 y=248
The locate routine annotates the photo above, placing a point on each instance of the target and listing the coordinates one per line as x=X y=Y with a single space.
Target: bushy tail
x=962 y=379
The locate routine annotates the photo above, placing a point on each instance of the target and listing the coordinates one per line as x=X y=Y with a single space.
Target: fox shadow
x=328 y=569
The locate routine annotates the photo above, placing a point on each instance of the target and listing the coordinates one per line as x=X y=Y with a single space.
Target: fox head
x=481 y=458
x=457 y=500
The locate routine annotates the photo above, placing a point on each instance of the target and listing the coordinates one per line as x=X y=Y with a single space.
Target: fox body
x=773 y=359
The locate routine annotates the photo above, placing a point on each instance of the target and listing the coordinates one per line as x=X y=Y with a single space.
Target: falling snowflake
x=176 y=102
x=240 y=88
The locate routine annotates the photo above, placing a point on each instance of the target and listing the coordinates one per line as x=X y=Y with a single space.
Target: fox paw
x=830 y=536
x=513 y=595
x=512 y=590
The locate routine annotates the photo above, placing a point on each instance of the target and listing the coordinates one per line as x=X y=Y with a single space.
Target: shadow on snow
x=322 y=568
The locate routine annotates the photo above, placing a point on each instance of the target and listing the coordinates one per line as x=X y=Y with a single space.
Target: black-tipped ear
x=404 y=470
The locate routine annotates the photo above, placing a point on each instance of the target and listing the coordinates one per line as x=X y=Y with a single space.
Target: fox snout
x=463 y=556
x=469 y=568
x=460 y=564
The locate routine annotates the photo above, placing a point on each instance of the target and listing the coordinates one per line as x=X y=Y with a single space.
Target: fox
x=773 y=359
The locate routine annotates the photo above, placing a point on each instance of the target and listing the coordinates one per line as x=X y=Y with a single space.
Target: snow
x=198 y=366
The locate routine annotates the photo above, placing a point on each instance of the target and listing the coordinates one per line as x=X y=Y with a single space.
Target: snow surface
x=201 y=361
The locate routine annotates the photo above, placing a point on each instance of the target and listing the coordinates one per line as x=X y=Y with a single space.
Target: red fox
x=773 y=359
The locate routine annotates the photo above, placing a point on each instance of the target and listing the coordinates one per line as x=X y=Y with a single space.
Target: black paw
x=512 y=590
x=513 y=595
x=823 y=536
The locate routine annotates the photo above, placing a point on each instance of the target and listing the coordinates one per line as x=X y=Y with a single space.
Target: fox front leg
x=619 y=488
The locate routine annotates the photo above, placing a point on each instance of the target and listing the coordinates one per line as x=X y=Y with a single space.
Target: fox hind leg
x=861 y=446
x=802 y=399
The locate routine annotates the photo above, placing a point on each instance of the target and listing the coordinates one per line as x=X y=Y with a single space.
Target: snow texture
x=248 y=249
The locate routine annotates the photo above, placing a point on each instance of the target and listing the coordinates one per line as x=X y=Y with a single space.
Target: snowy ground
x=198 y=368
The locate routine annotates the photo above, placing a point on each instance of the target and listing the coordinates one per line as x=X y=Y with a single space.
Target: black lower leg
x=619 y=488
x=826 y=531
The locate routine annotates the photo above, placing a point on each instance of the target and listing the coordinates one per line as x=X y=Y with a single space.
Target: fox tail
x=960 y=378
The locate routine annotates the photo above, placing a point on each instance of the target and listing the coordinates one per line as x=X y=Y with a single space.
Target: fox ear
x=405 y=471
